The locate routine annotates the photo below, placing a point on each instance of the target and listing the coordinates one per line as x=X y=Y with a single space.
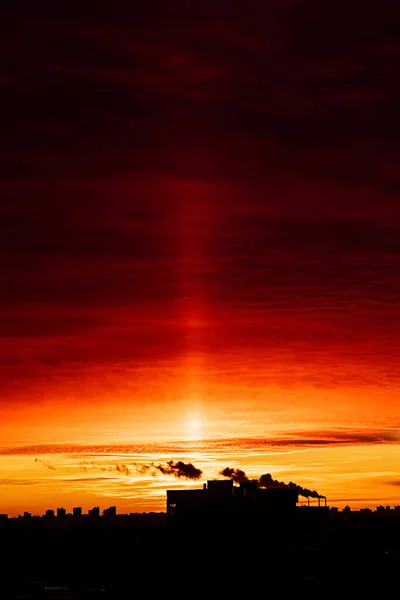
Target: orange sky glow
x=200 y=255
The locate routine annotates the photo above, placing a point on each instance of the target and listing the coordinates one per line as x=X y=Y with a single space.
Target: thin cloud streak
x=22 y=482
x=304 y=439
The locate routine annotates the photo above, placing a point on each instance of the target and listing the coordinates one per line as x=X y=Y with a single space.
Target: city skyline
x=137 y=482
x=199 y=249
x=307 y=501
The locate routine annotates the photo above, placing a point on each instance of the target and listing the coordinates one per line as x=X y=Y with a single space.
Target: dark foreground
x=118 y=558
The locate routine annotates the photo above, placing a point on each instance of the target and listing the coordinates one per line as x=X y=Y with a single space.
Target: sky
x=200 y=248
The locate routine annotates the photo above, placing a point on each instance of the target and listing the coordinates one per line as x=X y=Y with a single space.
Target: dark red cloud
x=180 y=164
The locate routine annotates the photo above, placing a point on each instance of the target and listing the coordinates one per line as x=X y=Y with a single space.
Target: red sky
x=200 y=237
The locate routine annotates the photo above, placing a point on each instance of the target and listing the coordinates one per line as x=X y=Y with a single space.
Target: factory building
x=221 y=502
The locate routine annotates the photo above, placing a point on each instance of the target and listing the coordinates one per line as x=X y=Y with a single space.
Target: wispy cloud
x=94 y=479
x=26 y=481
x=344 y=436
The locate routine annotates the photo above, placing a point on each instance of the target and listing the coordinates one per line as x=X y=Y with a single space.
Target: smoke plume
x=122 y=469
x=266 y=481
x=180 y=470
x=237 y=475
x=118 y=468
x=45 y=464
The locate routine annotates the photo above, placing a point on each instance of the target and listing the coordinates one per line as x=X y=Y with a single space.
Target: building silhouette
x=222 y=497
x=77 y=511
x=110 y=512
x=221 y=505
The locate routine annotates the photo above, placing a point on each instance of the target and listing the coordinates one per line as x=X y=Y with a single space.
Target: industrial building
x=220 y=501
